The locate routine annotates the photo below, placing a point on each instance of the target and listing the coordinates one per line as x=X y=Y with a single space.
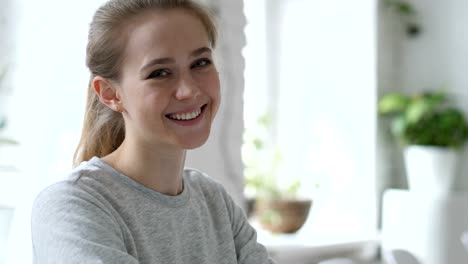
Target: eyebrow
x=153 y=62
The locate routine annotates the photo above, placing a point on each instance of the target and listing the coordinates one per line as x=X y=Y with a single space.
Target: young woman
x=153 y=94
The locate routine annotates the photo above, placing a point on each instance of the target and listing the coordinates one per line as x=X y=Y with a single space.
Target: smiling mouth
x=187 y=116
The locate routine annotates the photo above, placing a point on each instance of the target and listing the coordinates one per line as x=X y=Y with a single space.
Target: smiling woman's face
x=169 y=86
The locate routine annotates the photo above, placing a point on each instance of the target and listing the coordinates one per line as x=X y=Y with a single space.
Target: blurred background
x=299 y=130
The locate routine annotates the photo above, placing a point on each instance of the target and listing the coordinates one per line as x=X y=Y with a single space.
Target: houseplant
x=276 y=205
x=432 y=131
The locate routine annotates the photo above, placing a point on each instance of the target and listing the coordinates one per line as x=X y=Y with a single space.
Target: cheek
x=154 y=103
x=145 y=106
x=212 y=84
x=214 y=91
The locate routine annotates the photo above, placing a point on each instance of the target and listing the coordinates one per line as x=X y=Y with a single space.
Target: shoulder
x=71 y=219
x=76 y=194
x=73 y=184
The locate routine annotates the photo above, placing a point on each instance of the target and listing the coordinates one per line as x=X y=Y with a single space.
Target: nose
x=187 y=88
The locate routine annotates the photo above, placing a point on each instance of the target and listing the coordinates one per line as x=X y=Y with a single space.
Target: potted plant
x=277 y=206
x=432 y=131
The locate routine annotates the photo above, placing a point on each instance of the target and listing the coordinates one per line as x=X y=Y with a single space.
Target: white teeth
x=186 y=116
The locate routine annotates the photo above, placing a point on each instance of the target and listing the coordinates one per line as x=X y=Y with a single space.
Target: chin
x=194 y=143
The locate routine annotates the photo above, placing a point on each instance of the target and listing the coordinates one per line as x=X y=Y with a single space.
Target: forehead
x=165 y=33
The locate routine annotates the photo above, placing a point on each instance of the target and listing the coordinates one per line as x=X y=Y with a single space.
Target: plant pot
x=431 y=169
x=282 y=215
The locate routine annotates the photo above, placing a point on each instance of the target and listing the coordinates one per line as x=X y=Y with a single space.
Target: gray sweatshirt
x=98 y=215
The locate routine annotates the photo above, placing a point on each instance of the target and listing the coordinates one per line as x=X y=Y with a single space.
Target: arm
x=249 y=251
x=69 y=226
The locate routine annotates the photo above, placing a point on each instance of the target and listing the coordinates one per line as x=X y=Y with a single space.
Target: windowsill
x=308 y=244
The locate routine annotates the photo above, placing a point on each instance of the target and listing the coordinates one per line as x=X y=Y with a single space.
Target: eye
x=201 y=63
x=157 y=74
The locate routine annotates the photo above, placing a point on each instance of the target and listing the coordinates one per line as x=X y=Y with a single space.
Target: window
x=311 y=65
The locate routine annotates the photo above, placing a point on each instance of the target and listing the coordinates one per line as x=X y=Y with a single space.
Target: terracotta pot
x=282 y=216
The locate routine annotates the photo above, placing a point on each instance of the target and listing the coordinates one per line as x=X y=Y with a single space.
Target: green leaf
x=258 y=143
x=401 y=7
x=294 y=187
x=405 y=8
x=398 y=125
x=436 y=97
x=393 y=103
x=444 y=127
x=417 y=109
x=265 y=120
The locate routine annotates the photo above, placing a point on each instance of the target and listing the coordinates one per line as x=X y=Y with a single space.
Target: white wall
x=439 y=56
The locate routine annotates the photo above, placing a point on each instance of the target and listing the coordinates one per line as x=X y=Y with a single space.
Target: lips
x=187 y=115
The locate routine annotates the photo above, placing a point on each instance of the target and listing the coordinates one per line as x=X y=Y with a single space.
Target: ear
x=107 y=93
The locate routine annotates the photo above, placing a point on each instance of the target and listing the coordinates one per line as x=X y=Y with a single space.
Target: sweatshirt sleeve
x=249 y=251
x=69 y=225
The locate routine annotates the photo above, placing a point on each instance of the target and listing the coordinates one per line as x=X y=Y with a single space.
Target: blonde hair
x=103 y=129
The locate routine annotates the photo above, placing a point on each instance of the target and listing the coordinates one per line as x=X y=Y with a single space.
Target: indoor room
x=338 y=135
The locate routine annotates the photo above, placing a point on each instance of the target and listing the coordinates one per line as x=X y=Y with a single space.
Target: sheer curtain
x=311 y=63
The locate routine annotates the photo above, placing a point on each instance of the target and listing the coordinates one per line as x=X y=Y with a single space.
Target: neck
x=157 y=167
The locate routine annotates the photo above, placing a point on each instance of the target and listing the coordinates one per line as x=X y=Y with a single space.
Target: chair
x=400 y=256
